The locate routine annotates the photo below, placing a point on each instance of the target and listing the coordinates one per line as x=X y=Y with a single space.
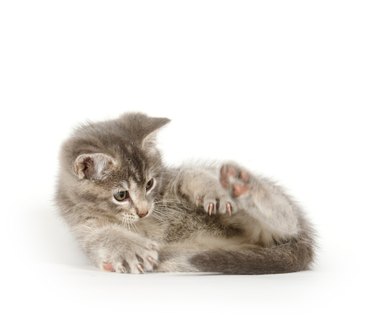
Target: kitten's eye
x=149 y=184
x=121 y=195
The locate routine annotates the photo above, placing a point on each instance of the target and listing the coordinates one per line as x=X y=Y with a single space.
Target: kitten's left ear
x=142 y=127
x=153 y=127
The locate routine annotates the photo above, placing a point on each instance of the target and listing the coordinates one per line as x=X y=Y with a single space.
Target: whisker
x=135 y=227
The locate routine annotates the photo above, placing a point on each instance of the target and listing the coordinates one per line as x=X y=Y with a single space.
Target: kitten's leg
x=112 y=248
x=260 y=199
x=263 y=205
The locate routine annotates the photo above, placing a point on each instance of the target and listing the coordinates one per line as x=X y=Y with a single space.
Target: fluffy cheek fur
x=130 y=212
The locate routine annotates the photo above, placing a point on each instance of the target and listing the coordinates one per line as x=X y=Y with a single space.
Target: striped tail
x=295 y=255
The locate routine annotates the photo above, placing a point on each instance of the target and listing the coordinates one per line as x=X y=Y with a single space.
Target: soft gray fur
x=130 y=213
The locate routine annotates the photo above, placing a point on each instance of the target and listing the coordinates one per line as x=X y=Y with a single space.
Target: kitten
x=130 y=213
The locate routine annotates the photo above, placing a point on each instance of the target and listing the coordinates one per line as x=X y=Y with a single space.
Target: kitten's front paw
x=130 y=257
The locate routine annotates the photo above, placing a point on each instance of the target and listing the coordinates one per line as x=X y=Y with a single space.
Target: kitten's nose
x=142 y=213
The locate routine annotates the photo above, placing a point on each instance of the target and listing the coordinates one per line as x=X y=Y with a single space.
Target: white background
x=284 y=87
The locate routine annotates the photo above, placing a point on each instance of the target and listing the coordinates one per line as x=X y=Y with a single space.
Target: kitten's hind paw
x=215 y=202
x=235 y=179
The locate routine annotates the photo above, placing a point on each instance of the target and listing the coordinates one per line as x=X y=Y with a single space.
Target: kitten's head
x=115 y=165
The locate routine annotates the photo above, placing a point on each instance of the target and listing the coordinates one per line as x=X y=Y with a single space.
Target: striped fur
x=217 y=218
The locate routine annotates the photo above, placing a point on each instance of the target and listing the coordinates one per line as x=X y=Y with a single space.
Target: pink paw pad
x=239 y=190
x=235 y=179
x=108 y=267
x=226 y=172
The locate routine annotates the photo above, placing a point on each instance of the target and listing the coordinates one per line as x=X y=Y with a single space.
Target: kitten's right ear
x=93 y=165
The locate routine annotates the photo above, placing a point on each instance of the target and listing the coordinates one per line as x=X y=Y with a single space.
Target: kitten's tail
x=295 y=255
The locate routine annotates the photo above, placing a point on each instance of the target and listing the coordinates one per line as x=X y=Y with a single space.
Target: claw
x=210 y=208
x=140 y=268
x=153 y=261
x=229 y=208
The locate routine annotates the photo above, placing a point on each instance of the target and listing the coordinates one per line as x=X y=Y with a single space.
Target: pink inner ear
x=93 y=165
x=87 y=164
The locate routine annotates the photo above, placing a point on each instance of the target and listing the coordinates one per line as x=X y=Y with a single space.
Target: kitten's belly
x=197 y=225
x=186 y=226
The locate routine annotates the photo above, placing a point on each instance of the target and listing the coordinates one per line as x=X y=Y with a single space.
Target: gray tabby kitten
x=130 y=213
